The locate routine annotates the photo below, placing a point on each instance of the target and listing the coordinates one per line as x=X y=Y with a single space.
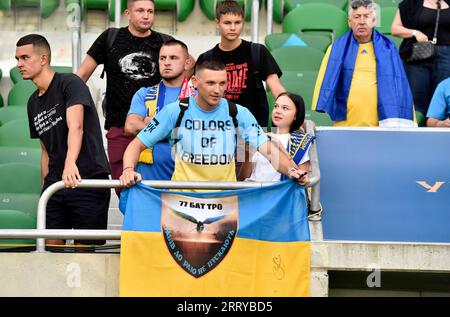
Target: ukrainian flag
x=249 y=242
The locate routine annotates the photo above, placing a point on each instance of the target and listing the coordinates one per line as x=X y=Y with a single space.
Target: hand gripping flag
x=249 y=242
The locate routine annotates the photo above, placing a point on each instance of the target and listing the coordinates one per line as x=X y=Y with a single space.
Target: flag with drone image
x=248 y=242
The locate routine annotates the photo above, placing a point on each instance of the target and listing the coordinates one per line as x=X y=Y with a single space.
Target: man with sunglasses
x=364 y=84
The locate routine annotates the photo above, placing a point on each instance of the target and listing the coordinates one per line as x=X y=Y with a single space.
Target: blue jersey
x=205 y=141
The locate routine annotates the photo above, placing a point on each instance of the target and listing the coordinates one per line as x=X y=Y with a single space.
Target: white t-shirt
x=263 y=171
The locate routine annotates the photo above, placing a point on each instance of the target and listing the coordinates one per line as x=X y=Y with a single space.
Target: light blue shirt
x=440 y=103
x=203 y=134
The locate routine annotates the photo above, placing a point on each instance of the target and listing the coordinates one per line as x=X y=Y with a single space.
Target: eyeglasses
x=361 y=3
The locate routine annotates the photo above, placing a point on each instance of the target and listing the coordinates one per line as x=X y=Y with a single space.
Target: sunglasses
x=361 y=3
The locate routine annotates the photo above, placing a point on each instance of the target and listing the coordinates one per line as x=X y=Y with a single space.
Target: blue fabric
x=275 y=213
x=440 y=103
x=138 y=102
x=294 y=40
x=297 y=146
x=394 y=95
x=163 y=164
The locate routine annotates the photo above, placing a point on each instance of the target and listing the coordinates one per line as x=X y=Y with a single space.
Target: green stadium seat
x=316 y=17
x=387 y=15
x=14 y=219
x=209 y=8
x=21 y=92
x=16 y=133
x=46 y=7
x=282 y=7
x=302 y=83
x=22 y=178
x=20 y=154
x=112 y=8
x=5 y=5
x=26 y=203
x=276 y=40
x=15 y=76
x=420 y=119
x=388 y=3
x=12 y=113
x=298 y=58
x=182 y=8
x=290 y=5
x=1 y=98
x=96 y=4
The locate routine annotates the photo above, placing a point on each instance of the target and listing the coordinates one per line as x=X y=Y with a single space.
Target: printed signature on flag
x=278 y=268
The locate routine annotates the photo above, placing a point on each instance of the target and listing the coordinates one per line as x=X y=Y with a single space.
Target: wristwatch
x=414 y=33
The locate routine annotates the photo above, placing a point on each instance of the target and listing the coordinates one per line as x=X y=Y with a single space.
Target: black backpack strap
x=256 y=61
x=232 y=111
x=111 y=37
x=260 y=98
x=184 y=104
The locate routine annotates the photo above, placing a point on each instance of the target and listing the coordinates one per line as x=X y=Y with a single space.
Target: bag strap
x=232 y=111
x=111 y=37
x=256 y=61
x=184 y=104
x=438 y=4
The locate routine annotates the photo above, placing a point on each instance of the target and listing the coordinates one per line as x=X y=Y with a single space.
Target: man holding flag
x=204 y=129
x=231 y=243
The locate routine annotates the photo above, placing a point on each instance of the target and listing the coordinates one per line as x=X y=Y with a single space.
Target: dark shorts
x=117 y=144
x=81 y=208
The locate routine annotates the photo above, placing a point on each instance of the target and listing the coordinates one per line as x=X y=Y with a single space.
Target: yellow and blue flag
x=248 y=242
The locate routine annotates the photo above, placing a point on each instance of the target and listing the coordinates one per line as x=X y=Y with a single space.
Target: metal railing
x=41 y=233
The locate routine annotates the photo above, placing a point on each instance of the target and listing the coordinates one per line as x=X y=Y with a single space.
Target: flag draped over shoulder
x=249 y=242
x=395 y=101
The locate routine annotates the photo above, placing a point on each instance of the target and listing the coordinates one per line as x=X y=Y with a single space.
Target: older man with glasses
x=361 y=81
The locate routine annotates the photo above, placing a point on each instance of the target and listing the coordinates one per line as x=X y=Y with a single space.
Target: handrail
x=255 y=21
x=315 y=169
x=269 y=6
x=42 y=205
x=41 y=233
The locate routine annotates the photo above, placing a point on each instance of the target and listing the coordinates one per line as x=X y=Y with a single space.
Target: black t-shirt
x=242 y=83
x=47 y=121
x=131 y=63
x=415 y=16
x=427 y=22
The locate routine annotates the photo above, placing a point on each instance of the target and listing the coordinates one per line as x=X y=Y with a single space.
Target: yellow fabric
x=185 y=171
x=251 y=268
x=146 y=156
x=362 y=109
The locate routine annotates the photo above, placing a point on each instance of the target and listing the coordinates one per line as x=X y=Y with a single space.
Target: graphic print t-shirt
x=47 y=121
x=205 y=141
x=241 y=82
x=131 y=63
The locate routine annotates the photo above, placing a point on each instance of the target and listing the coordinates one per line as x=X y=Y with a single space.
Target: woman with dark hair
x=288 y=115
x=415 y=21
